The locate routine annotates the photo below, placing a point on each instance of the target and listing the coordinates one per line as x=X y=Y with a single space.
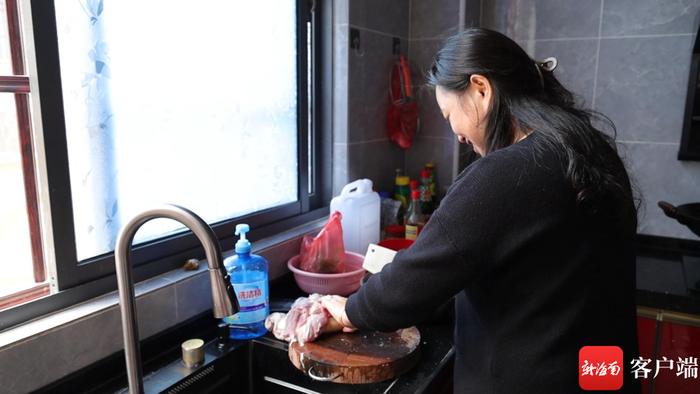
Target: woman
x=534 y=239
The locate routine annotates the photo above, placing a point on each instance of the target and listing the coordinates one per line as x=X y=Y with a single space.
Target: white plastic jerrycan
x=359 y=206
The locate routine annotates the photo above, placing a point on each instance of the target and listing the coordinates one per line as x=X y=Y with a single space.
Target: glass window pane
x=169 y=102
x=16 y=262
x=5 y=56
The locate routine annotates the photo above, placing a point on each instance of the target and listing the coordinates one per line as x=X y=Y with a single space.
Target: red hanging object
x=402 y=115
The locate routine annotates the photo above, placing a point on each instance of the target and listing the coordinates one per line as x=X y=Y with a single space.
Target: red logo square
x=600 y=368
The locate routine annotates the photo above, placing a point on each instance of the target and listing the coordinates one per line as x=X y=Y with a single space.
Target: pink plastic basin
x=342 y=284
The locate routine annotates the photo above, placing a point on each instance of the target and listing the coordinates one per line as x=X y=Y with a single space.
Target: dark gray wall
x=630 y=60
x=432 y=21
x=360 y=138
x=626 y=58
x=361 y=146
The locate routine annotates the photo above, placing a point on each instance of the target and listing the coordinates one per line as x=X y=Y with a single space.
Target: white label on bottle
x=252 y=298
x=411 y=232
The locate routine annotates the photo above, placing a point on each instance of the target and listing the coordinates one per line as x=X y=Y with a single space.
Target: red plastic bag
x=325 y=252
x=402 y=114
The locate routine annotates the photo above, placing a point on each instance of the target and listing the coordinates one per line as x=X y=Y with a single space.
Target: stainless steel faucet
x=224 y=299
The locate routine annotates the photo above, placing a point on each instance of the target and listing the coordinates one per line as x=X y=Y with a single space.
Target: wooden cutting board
x=358 y=357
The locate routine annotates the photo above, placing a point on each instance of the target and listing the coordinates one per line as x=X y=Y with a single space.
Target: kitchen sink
x=256 y=366
x=259 y=365
x=262 y=366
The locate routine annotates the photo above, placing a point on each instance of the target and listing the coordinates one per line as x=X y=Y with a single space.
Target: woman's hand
x=335 y=305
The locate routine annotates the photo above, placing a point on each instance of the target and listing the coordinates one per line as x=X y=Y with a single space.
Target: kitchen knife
x=377 y=257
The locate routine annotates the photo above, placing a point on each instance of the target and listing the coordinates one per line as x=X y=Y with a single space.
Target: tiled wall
x=361 y=90
x=360 y=135
x=431 y=22
x=630 y=60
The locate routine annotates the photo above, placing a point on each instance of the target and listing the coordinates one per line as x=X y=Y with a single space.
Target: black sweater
x=534 y=278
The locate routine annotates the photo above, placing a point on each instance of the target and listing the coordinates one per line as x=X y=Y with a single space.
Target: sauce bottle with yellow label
x=415 y=220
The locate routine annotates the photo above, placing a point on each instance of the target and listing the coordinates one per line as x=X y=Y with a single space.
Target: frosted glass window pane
x=169 y=102
x=5 y=54
x=16 y=261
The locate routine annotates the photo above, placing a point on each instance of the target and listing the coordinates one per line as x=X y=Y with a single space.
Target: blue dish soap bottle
x=249 y=276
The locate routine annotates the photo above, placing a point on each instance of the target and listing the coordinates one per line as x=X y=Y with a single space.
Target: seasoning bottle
x=426 y=197
x=430 y=167
x=415 y=220
x=401 y=190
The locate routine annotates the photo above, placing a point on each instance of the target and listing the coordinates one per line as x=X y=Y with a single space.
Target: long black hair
x=528 y=96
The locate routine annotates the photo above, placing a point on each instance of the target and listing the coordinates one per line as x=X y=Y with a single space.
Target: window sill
x=41 y=351
x=20 y=297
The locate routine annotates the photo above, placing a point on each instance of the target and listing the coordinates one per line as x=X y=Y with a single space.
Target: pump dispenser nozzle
x=242 y=245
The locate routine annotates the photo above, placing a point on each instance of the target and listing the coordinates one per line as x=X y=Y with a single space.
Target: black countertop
x=668 y=274
x=162 y=369
x=668 y=277
x=432 y=374
x=262 y=366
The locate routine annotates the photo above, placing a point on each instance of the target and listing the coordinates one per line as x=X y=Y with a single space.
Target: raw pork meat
x=302 y=323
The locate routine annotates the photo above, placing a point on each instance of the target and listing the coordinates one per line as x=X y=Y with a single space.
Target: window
x=151 y=113
x=23 y=265
x=216 y=107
